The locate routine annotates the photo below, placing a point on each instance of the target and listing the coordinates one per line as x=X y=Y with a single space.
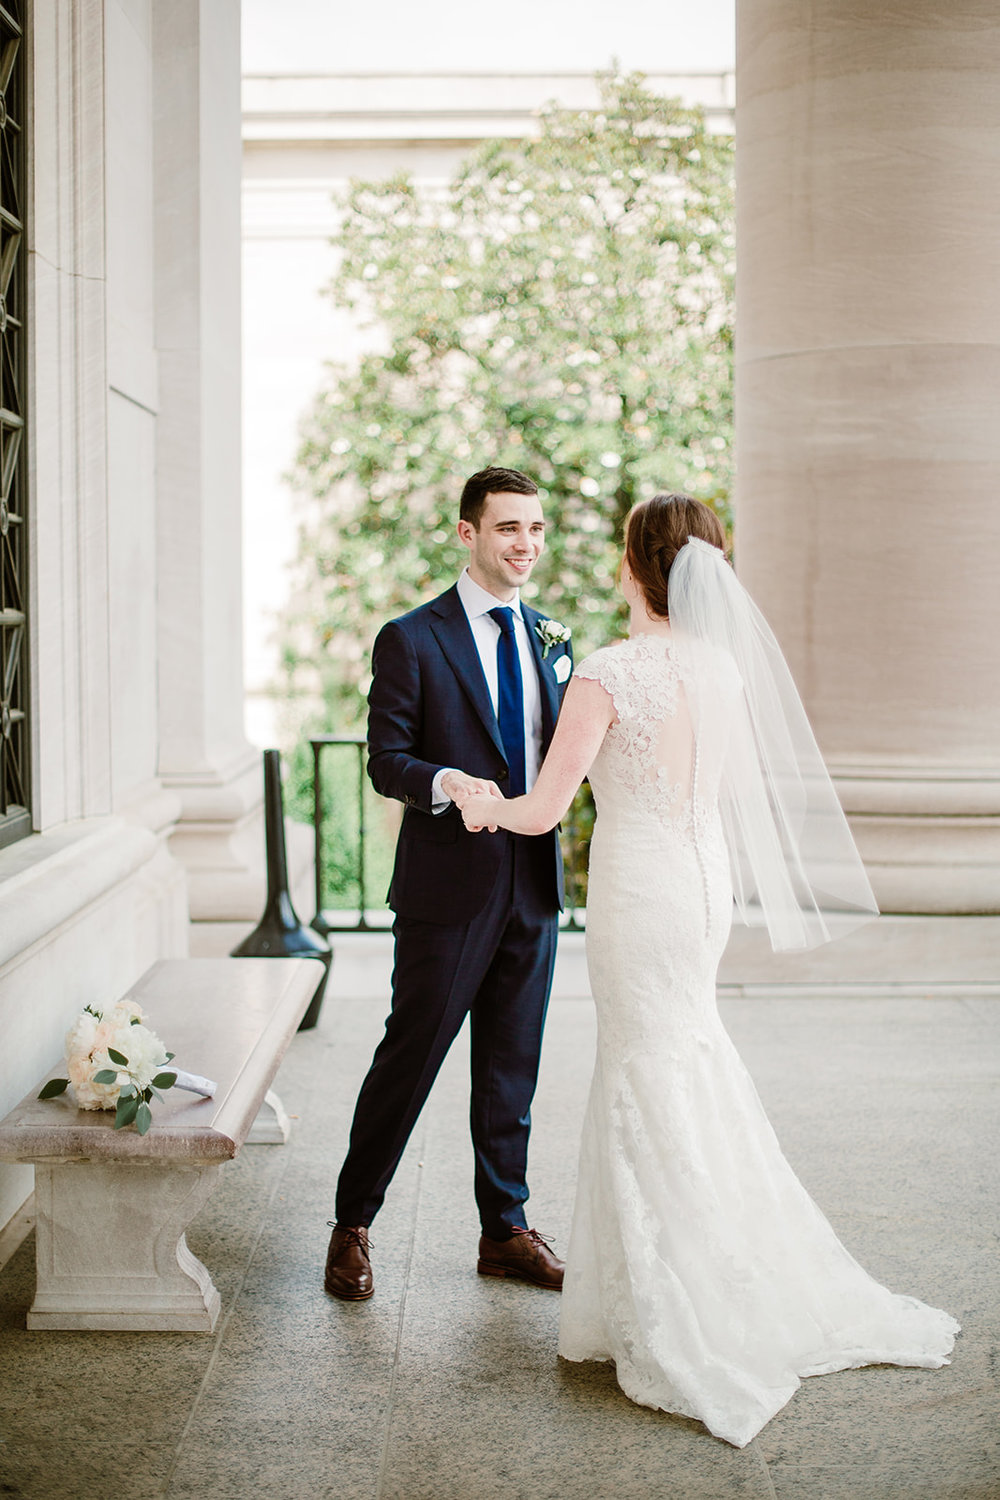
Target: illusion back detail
x=697 y=1263
x=646 y=766
x=656 y=795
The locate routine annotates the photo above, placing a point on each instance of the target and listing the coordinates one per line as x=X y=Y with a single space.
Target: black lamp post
x=279 y=933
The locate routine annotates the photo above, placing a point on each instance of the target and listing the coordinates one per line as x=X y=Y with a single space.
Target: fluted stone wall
x=868 y=439
x=146 y=795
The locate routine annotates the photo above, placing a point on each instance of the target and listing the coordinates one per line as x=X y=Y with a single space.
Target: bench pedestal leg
x=272 y=1126
x=111 y=1252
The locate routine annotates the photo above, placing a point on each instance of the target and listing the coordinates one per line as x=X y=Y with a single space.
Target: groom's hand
x=460 y=787
x=476 y=814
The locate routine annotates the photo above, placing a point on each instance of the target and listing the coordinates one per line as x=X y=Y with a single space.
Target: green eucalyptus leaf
x=126 y=1112
x=170 y=1057
x=118 y=1057
x=53 y=1087
x=106 y=1075
x=143 y=1118
x=164 y=1080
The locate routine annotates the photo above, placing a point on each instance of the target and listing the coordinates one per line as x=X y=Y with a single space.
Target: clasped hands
x=472 y=796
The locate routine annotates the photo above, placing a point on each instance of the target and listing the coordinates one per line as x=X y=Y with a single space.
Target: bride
x=697 y=1262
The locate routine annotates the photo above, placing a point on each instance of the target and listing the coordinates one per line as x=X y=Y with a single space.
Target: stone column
x=204 y=755
x=868 y=437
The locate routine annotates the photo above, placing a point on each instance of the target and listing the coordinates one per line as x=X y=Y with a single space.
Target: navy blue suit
x=476 y=916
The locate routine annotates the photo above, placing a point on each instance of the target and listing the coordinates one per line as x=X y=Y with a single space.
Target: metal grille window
x=15 y=816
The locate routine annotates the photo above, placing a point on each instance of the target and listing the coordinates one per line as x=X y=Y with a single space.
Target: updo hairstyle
x=655 y=532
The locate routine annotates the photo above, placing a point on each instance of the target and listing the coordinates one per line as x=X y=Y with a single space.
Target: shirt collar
x=478 y=601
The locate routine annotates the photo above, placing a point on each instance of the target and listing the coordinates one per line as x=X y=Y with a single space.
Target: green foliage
x=564 y=308
x=54 y=1088
x=126 y=1109
x=575 y=834
x=132 y=1105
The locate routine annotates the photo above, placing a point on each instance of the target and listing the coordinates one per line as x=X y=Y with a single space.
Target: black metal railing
x=342 y=851
x=355 y=833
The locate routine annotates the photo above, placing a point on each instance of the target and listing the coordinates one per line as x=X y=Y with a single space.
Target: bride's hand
x=476 y=814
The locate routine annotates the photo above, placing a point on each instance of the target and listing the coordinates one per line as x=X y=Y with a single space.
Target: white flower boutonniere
x=551 y=633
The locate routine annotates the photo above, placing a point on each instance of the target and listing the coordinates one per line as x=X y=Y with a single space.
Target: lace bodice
x=647 y=767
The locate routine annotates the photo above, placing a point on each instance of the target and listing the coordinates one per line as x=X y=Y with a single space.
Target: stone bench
x=112 y=1206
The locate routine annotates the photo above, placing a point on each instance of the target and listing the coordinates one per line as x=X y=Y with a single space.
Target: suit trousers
x=497 y=969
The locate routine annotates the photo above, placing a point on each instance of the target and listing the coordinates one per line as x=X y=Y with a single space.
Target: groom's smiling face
x=508 y=541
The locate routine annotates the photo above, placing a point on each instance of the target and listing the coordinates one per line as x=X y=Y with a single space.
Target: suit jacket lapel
x=546 y=678
x=454 y=635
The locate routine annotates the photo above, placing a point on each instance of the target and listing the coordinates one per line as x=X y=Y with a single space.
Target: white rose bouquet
x=115 y=1062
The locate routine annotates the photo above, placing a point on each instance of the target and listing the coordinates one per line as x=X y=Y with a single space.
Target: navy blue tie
x=510 y=699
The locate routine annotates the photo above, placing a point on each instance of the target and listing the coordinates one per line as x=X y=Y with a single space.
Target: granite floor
x=446 y=1385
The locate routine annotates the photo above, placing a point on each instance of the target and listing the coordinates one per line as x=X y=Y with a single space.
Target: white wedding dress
x=697 y=1262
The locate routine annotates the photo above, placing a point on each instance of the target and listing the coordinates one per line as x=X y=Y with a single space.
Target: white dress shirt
x=477 y=603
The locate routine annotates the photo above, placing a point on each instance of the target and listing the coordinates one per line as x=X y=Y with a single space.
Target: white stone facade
x=143 y=780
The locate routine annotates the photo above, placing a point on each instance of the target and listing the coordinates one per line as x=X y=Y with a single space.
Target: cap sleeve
x=608 y=667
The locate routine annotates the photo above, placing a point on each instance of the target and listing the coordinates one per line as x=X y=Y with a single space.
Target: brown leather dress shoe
x=348 y=1269
x=525 y=1256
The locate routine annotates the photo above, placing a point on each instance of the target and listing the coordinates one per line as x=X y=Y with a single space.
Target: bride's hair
x=655 y=531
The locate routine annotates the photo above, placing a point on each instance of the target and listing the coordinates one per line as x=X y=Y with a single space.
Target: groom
x=464 y=699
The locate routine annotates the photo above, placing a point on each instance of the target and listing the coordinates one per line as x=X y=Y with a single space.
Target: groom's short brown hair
x=491 y=482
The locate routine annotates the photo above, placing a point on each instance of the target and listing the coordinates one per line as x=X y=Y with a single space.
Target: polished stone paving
x=446 y=1385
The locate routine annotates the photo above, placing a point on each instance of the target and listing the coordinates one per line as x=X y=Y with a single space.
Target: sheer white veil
x=795 y=866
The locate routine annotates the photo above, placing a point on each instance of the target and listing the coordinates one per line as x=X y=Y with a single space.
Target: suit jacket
x=429 y=707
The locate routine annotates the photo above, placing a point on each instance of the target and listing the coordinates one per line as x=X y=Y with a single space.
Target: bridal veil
x=795 y=865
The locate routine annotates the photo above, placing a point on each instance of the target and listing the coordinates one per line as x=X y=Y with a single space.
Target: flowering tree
x=564 y=308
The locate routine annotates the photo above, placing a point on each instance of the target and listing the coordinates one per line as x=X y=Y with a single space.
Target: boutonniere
x=551 y=633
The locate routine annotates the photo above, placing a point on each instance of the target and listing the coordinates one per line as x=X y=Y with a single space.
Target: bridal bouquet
x=114 y=1062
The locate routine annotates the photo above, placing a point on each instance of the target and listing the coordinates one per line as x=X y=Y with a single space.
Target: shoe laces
x=359 y=1235
x=534 y=1236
